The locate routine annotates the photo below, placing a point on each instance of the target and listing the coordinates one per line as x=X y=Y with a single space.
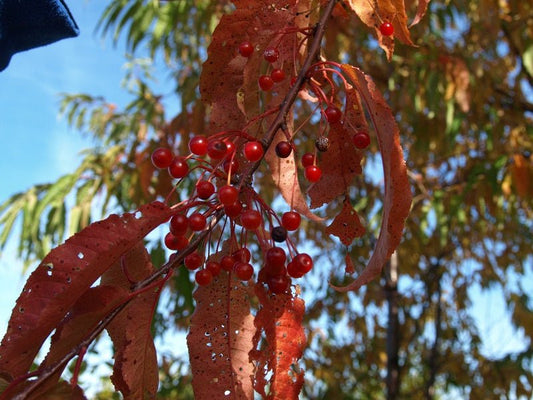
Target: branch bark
x=393 y=331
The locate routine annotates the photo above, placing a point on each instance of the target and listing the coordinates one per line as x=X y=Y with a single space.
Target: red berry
x=242 y=255
x=333 y=114
x=312 y=173
x=178 y=168
x=246 y=49
x=361 y=140
x=228 y=195
x=291 y=220
x=279 y=284
x=179 y=224
x=162 y=158
x=292 y=270
x=308 y=159
x=230 y=146
x=227 y=263
x=271 y=54
x=283 y=149
x=303 y=263
x=233 y=210
x=277 y=75
x=198 y=145
x=205 y=189
x=265 y=82
x=386 y=28
x=171 y=241
x=217 y=149
x=193 y=261
x=253 y=151
x=213 y=267
x=203 y=277
x=244 y=271
x=197 y=221
x=251 y=219
x=275 y=260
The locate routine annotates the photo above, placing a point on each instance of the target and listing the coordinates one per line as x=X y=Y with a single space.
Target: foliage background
x=463 y=99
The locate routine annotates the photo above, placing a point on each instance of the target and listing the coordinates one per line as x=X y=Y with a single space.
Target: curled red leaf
x=397 y=197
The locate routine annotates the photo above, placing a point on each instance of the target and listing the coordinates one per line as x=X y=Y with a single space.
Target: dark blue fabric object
x=25 y=24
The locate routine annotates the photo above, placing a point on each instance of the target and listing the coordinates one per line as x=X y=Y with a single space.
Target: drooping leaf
x=135 y=372
x=279 y=343
x=397 y=196
x=285 y=175
x=64 y=275
x=220 y=339
x=420 y=12
x=340 y=164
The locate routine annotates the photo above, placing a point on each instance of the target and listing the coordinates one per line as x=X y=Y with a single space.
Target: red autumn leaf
x=285 y=175
x=135 y=372
x=420 y=12
x=279 y=321
x=374 y=13
x=340 y=164
x=63 y=390
x=219 y=340
x=397 y=197
x=84 y=316
x=64 y=275
x=346 y=225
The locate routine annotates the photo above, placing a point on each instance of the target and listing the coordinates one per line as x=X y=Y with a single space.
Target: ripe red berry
x=386 y=28
x=205 y=189
x=271 y=54
x=253 y=151
x=171 y=241
x=275 y=260
x=193 y=261
x=216 y=149
x=227 y=263
x=251 y=219
x=230 y=146
x=162 y=157
x=308 y=159
x=228 y=195
x=246 y=49
x=178 y=168
x=213 y=267
x=203 y=277
x=244 y=271
x=293 y=271
x=279 y=284
x=333 y=114
x=361 y=140
x=283 y=149
x=277 y=75
x=265 y=83
x=233 y=210
x=312 y=173
x=197 y=221
x=198 y=145
x=303 y=263
x=242 y=255
x=179 y=224
x=291 y=220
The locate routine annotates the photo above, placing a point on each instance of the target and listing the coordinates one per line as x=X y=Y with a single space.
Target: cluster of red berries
x=277 y=272
x=271 y=55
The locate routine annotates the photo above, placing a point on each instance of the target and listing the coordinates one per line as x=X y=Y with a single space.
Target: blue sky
x=40 y=147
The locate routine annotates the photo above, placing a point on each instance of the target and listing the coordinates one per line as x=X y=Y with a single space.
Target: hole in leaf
x=138 y=215
x=227 y=392
x=80 y=255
